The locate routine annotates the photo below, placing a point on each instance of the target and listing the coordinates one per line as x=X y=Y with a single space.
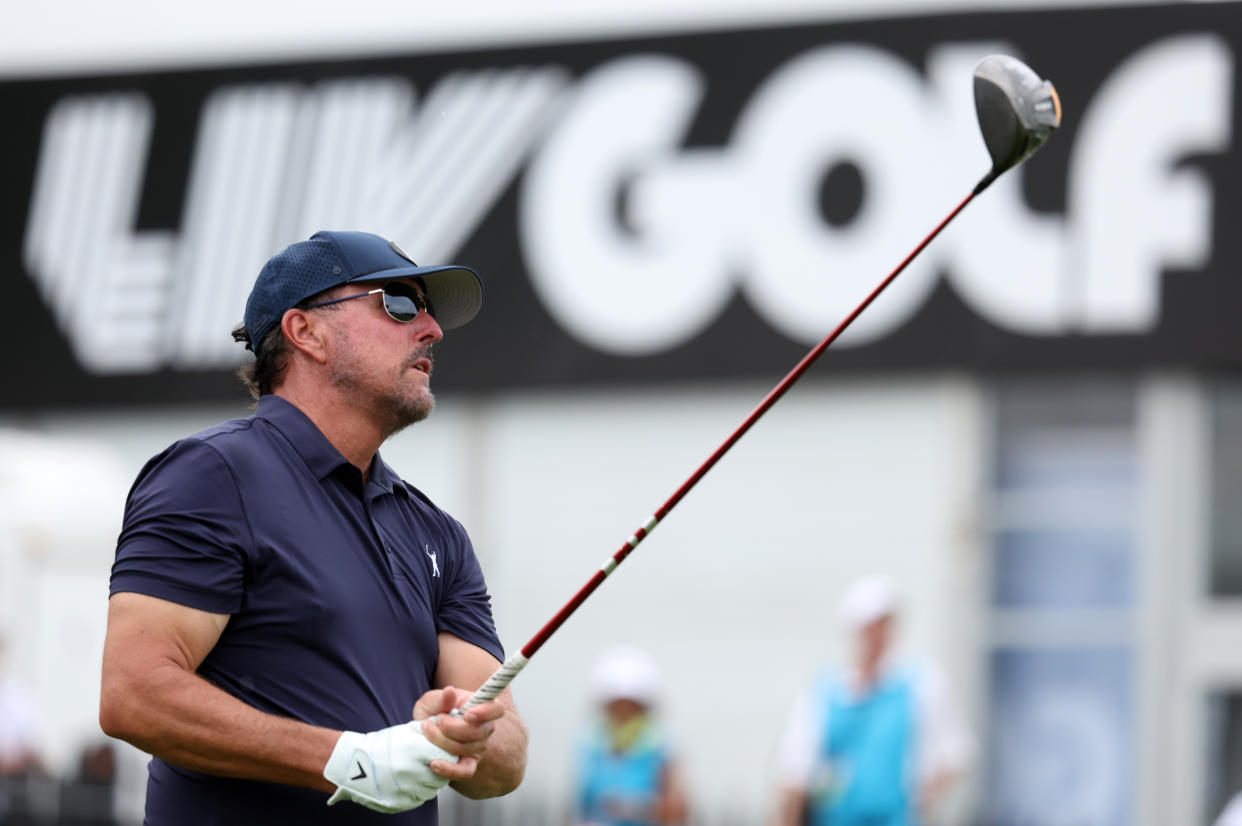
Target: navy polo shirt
x=335 y=593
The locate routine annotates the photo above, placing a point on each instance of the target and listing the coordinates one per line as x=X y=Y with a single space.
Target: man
x=872 y=745
x=281 y=598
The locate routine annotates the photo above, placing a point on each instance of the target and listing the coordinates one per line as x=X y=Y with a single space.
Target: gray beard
x=395 y=412
x=400 y=413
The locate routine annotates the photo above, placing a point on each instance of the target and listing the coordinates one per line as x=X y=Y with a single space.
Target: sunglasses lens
x=401 y=302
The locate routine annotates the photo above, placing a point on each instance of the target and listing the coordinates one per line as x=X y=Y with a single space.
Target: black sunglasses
x=402 y=302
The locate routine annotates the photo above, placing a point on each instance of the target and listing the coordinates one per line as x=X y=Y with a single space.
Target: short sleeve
x=945 y=744
x=184 y=534
x=798 y=746
x=466 y=608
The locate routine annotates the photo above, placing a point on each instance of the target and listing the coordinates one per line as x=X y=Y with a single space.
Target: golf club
x=1017 y=112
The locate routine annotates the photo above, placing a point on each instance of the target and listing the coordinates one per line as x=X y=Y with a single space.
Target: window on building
x=1225 y=555
x=1062 y=661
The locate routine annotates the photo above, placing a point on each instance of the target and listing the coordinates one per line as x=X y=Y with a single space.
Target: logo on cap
x=400 y=252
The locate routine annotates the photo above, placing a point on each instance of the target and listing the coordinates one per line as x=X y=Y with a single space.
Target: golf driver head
x=1017 y=112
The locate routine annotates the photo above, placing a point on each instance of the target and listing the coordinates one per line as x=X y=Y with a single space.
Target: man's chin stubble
x=405 y=412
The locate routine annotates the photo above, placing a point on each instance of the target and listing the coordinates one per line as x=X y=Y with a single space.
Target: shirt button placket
x=379 y=539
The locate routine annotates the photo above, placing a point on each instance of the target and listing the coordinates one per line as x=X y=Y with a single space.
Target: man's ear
x=305 y=333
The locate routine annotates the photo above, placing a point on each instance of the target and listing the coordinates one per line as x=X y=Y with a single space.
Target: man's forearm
x=183 y=719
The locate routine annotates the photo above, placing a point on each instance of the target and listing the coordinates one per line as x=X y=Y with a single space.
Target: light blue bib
x=613 y=784
x=867 y=755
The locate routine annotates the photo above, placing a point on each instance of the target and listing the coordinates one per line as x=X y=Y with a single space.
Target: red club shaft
x=772 y=398
x=516 y=663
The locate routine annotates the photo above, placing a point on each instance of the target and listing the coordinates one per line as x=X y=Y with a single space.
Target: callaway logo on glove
x=386 y=770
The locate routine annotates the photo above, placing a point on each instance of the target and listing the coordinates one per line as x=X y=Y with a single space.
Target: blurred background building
x=1037 y=430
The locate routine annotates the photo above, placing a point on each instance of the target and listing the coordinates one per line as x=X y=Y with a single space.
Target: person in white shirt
x=877 y=742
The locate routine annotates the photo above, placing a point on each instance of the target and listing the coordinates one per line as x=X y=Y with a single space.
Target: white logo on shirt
x=435 y=569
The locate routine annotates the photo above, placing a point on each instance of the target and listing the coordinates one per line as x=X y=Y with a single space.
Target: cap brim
x=455 y=291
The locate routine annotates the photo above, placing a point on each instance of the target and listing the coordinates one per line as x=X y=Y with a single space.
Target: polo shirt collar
x=320 y=455
x=387 y=479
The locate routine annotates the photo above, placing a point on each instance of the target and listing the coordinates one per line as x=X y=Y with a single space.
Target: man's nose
x=429 y=329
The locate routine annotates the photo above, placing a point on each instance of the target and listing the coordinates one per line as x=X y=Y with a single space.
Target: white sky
x=51 y=37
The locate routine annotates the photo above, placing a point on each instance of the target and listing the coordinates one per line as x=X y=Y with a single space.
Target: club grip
x=496 y=683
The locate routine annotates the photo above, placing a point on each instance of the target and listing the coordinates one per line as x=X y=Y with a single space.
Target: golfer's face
x=385 y=360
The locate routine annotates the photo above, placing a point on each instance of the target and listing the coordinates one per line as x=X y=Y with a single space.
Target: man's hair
x=271 y=358
x=271 y=355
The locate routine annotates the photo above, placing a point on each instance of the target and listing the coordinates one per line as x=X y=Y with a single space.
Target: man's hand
x=465 y=736
x=387 y=770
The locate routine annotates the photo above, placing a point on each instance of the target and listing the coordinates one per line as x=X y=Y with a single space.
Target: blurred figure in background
x=19 y=728
x=20 y=761
x=89 y=799
x=627 y=774
x=873 y=744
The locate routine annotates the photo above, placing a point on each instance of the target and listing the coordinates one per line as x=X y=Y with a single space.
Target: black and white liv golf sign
x=694 y=205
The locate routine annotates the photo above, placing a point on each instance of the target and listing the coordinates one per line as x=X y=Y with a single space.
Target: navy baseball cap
x=330 y=259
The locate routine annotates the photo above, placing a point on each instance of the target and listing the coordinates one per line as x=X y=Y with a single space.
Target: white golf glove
x=386 y=770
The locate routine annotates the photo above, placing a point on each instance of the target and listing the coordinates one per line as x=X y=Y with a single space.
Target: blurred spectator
x=874 y=743
x=97 y=765
x=627 y=774
x=1232 y=815
x=19 y=729
x=88 y=799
